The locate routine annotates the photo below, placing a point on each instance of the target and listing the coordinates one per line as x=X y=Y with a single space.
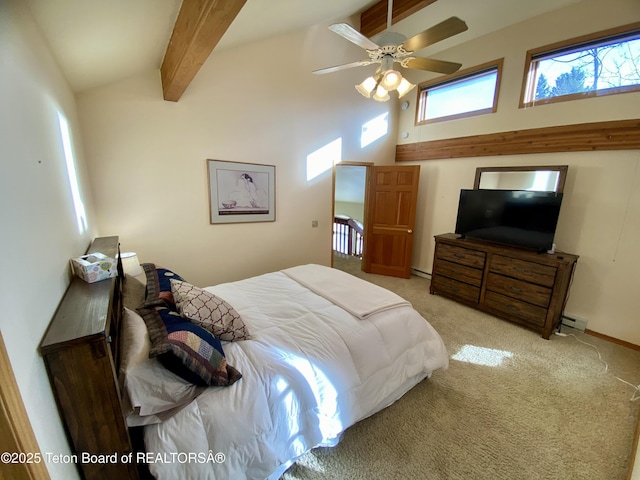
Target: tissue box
x=94 y=267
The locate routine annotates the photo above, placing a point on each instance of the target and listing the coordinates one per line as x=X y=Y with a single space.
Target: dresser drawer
x=523 y=270
x=510 y=307
x=515 y=284
x=463 y=256
x=447 y=286
x=528 y=292
x=462 y=273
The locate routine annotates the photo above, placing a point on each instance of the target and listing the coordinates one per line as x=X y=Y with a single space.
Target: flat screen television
x=513 y=217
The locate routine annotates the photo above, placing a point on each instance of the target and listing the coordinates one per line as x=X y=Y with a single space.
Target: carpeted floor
x=511 y=406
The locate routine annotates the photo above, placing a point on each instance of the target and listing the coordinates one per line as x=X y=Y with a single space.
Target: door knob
x=409 y=231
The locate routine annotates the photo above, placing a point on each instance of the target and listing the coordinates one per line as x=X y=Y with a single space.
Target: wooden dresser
x=80 y=350
x=515 y=284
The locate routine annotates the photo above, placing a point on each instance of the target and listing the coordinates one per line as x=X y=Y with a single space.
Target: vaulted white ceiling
x=97 y=42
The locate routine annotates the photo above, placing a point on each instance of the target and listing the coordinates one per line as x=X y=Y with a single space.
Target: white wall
x=350 y=209
x=39 y=229
x=601 y=206
x=255 y=104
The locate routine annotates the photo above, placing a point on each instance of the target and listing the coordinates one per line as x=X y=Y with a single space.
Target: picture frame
x=241 y=192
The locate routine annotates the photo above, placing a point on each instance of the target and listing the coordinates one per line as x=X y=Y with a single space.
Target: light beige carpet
x=546 y=410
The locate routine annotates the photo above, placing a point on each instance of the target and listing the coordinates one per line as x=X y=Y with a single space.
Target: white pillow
x=209 y=311
x=151 y=392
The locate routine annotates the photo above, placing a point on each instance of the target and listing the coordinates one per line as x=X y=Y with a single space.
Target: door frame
x=334 y=171
x=15 y=427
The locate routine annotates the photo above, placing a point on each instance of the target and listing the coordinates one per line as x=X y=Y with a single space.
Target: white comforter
x=311 y=370
x=361 y=299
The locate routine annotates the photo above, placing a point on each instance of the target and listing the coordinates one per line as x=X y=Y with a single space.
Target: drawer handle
x=521 y=270
x=459 y=255
x=515 y=289
x=511 y=307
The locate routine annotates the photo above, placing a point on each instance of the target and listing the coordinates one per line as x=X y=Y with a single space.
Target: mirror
x=539 y=179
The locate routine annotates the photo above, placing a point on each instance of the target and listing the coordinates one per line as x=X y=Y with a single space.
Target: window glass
x=472 y=92
x=600 y=66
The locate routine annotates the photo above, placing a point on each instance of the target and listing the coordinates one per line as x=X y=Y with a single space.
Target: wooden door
x=390 y=220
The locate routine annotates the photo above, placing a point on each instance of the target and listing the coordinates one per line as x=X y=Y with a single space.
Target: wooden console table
x=512 y=283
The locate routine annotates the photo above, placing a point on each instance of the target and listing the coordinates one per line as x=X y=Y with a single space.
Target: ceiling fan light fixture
x=391 y=48
x=381 y=94
x=405 y=87
x=391 y=80
x=366 y=87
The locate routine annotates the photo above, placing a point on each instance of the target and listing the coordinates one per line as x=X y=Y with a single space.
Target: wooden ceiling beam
x=198 y=29
x=374 y=19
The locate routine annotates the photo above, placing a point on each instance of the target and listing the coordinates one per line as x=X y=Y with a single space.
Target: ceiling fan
x=393 y=47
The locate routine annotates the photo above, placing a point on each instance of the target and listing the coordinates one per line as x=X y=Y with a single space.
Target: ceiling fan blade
x=446 y=29
x=336 y=68
x=347 y=31
x=431 y=65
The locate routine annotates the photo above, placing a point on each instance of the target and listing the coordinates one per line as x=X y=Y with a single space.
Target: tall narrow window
x=78 y=204
x=603 y=63
x=471 y=92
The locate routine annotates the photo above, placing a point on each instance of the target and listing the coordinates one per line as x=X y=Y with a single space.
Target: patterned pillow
x=186 y=349
x=209 y=311
x=158 y=287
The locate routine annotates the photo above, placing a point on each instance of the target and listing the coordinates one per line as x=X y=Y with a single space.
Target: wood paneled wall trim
x=374 y=19
x=613 y=135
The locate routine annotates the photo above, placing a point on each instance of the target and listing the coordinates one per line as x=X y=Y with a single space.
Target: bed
x=301 y=355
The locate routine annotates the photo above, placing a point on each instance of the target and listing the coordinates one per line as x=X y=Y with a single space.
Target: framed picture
x=241 y=192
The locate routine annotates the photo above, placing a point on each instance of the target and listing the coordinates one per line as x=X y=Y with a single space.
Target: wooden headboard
x=81 y=352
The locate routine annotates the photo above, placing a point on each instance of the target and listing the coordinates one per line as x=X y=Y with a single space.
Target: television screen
x=514 y=217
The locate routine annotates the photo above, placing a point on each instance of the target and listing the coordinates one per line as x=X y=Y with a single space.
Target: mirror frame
x=562 y=169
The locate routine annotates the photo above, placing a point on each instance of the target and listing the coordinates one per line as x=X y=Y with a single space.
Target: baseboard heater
x=577 y=323
x=420 y=273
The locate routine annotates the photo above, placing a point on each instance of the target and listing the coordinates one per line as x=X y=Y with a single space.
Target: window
x=471 y=92
x=603 y=63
